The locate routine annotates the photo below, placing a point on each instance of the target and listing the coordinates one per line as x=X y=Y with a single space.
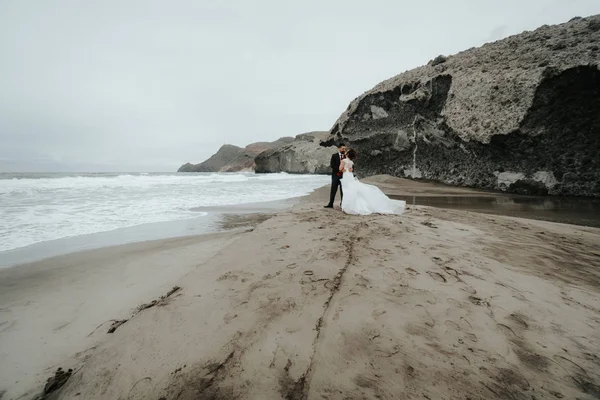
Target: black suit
x=336 y=178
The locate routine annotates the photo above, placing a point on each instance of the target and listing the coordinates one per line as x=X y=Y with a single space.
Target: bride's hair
x=351 y=154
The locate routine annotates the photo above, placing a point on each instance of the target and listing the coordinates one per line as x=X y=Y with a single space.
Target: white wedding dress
x=363 y=199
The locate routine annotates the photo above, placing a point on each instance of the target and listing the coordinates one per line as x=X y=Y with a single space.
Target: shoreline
x=114 y=208
x=544 y=208
x=217 y=219
x=258 y=294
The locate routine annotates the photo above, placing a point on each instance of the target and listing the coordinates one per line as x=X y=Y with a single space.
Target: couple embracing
x=357 y=198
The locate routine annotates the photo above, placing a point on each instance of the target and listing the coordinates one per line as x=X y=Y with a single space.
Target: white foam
x=37 y=210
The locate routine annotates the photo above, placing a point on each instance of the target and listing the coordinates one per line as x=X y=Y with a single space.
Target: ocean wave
x=42 y=208
x=124 y=180
x=30 y=185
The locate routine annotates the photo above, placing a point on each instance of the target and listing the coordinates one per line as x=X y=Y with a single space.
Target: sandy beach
x=315 y=304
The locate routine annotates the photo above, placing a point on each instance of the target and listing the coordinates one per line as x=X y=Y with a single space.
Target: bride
x=363 y=199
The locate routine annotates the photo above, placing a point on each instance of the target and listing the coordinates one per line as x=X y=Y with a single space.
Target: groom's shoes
x=328 y=206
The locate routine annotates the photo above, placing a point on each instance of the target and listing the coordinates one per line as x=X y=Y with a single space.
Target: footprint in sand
x=424 y=315
x=472 y=337
x=508 y=331
x=437 y=276
x=520 y=320
x=452 y=325
x=227 y=276
x=517 y=294
x=515 y=327
x=570 y=366
x=454 y=302
x=229 y=317
x=361 y=281
x=468 y=289
x=465 y=323
x=412 y=271
x=456 y=327
x=478 y=301
x=430 y=298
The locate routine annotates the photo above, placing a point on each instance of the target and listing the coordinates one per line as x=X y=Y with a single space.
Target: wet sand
x=567 y=210
x=53 y=312
x=576 y=211
x=579 y=211
x=216 y=220
x=311 y=304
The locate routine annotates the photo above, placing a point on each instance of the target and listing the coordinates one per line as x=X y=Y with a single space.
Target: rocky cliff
x=302 y=156
x=520 y=115
x=231 y=158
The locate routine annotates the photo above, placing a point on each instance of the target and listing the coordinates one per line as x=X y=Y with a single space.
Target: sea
x=45 y=214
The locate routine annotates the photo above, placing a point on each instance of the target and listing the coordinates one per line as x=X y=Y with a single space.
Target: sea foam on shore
x=43 y=207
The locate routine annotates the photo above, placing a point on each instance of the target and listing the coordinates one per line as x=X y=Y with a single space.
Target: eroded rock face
x=303 y=156
x=231 y=158
x=520 y=115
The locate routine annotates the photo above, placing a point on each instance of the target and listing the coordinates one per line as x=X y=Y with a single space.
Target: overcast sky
x=146 y=85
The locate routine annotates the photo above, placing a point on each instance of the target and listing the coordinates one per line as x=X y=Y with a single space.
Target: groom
x=336 y=175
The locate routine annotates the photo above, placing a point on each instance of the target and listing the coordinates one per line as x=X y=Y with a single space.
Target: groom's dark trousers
x=335 y=182
x=336 y=179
